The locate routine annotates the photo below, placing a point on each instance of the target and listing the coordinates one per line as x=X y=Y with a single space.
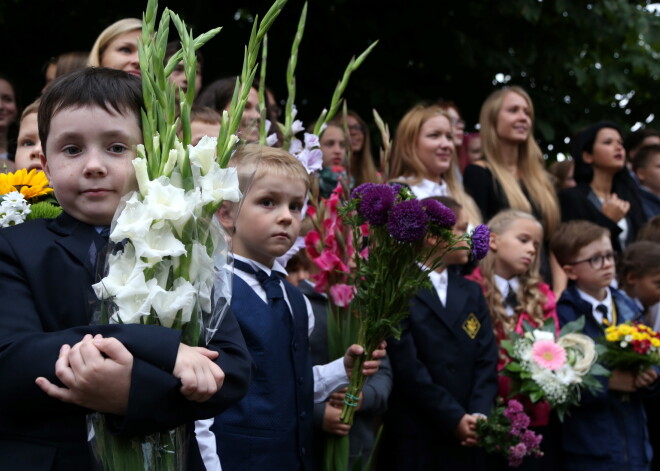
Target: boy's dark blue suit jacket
x=444 y=365
x=45 y=302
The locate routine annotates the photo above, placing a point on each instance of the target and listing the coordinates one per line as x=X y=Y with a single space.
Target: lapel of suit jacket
x=76 y=238
x=448 y=313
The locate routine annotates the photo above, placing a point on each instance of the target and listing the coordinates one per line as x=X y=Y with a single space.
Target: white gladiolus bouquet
x=168 y=252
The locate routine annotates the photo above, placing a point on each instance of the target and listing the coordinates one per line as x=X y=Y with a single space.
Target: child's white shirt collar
x=503 y=287
x=427 y=188
x=440 y=282
x=607 y=302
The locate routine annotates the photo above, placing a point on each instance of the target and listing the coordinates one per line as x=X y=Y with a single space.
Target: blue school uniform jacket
x=608 y=430
x=444 y=366
x=271 y=427
x=45 y=300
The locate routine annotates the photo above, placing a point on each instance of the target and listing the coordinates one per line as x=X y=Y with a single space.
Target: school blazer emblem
x=471 y=326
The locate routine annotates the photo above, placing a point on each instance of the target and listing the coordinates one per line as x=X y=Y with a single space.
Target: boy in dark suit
x=445 y=373
x=272 y=427
x=608 y=430
x=141 y=376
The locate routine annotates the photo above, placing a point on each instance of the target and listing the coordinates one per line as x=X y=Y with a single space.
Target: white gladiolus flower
x=134 y=220
x=164 y=200
x=125 y=276
x=297 y=126
x=202 y=267
x=158 y=243
x=271 y=140
x=141 y=172
x=168 y=303
x=295 y=147
x=203 y=154
x=221 y=184
x=311 y=140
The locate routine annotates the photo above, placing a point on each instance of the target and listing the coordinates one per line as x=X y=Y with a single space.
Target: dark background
x=573 y=57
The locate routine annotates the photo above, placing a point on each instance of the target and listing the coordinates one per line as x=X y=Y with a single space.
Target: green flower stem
x=263 y=106
x=291 y=79
x=231 y=120
x=339 y=90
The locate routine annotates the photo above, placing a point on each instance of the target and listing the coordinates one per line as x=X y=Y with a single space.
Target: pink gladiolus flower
x=547 y=354
x=328 y=261
x=341 y=294
x=312 y=240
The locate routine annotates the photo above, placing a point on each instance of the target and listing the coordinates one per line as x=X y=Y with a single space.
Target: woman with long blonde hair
x=116 y=47
x=424 y=157
x=512 y=173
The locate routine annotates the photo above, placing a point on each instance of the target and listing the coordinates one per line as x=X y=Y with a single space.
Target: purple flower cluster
x=375 y=202
x=408 y=222
x=439 y=213
x=516 y=454
x=480 y=241
x=528 y=442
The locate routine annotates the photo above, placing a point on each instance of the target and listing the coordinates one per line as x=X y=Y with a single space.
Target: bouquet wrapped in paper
x=631 y=346
x=555 y=369
x=505 y=432
x=388 y=273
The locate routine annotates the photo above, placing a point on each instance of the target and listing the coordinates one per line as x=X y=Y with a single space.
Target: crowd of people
x=580 y=238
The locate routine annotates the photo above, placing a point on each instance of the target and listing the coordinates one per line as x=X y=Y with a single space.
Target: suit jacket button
x=302 y=451
x=300 y=380
x=303 y=414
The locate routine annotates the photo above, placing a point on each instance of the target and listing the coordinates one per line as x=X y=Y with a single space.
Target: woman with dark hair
x=605 y=193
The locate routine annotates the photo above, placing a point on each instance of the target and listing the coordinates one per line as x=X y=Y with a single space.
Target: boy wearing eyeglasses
x=608 y=430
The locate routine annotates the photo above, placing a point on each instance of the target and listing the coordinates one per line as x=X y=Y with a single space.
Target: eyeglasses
x=597 y=261
x=355 y=127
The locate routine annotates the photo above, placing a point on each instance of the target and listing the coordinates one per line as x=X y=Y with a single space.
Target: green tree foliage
x=581 y=61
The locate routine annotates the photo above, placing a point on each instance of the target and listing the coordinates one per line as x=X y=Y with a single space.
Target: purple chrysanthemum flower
x=531 y=439
x=408 y=222
x=513 y=407
x=360 y=190
x=439 y=213
x=375 y=202
x=480 y=241
x=516 y=454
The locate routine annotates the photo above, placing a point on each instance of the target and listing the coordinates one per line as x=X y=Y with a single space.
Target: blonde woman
x=424 y=157
x=116 y=47
x=512 y=173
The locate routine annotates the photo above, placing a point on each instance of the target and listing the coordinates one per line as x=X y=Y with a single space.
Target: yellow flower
x=31 y=184
x=612 y=337
x=625 y=329
x=655 y=342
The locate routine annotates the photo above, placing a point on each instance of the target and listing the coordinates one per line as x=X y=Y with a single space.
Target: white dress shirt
x=607 y=302
x=503 y=286
x=327 y=378
x=427 y=188
x=439 y=282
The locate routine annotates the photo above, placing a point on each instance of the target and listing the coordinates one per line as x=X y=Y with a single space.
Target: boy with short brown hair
x=608 y=430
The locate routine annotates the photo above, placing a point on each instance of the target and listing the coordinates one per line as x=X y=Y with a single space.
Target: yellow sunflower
x=31 y=184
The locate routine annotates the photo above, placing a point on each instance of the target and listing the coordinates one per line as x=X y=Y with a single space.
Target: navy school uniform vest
x=271 y=427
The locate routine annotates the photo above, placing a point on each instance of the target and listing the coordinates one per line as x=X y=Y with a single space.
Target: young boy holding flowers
x=608 y=431
x=445 y=370
x=271 y=427
x=55 y=368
